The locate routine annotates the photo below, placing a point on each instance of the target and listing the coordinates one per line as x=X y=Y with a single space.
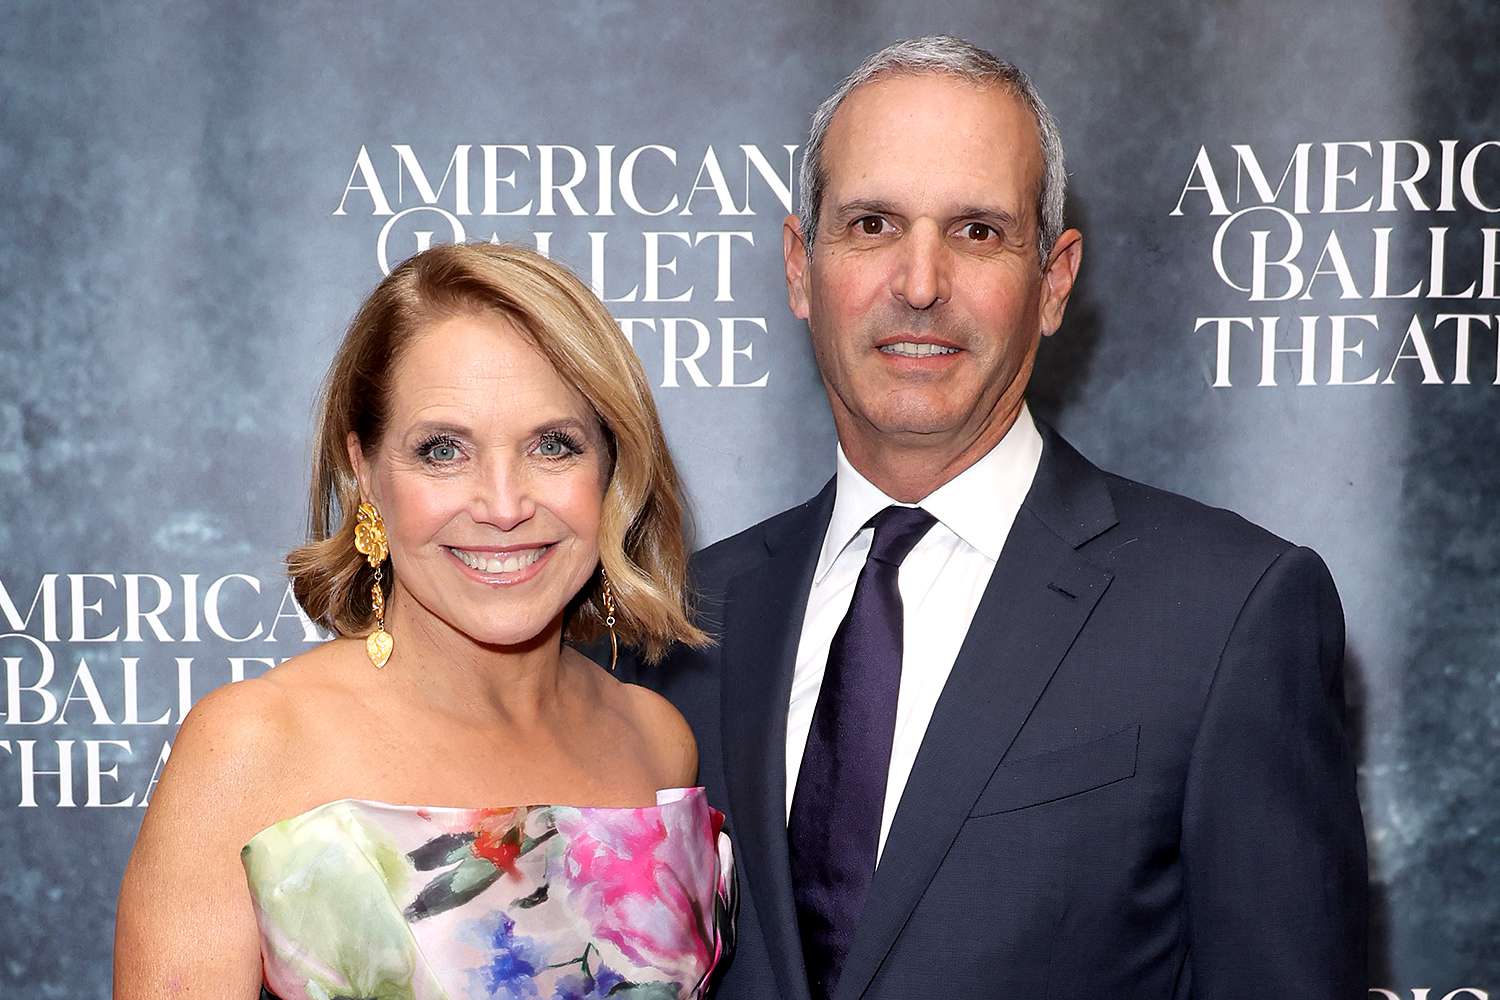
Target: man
x=986 y=720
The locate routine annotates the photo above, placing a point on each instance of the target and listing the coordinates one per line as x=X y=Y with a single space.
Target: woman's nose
x=504 y=497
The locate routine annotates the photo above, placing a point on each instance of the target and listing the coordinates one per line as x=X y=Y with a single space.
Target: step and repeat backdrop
x=1290 y=306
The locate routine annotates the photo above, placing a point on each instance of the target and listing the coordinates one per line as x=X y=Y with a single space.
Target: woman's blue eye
x=557 y=445
x=439 y=451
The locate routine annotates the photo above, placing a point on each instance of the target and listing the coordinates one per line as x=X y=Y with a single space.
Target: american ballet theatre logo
x=1365 y=263
x=661 y=233
x=131 y=652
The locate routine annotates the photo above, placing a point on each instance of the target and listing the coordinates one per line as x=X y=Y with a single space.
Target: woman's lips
x=501 y=567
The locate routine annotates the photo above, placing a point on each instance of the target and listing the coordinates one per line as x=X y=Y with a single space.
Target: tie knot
x=897 y=532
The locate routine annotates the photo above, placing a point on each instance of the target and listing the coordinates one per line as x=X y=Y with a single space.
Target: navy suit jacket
x=1136 y=782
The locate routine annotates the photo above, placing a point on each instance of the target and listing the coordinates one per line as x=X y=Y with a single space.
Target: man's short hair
x=956 y=57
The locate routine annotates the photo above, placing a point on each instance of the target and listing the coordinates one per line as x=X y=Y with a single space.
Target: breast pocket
x=1059 y=774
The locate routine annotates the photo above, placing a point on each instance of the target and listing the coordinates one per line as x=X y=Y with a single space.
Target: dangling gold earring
x=371 y=542
x=609 y=618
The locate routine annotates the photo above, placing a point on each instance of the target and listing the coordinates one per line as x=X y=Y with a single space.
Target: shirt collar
x=978 y=505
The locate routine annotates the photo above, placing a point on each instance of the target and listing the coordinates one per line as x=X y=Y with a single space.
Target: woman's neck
x=453 y=674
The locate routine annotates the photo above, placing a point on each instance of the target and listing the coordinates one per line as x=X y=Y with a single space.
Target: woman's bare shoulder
x=243 y=744
x=329 y=670
x=660 y=728
x=240 y=761
x=226 y=752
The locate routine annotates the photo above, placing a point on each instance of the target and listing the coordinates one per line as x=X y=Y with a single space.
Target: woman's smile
x=502 y=567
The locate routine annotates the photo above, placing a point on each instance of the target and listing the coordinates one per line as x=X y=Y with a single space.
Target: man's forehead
x=934 y=134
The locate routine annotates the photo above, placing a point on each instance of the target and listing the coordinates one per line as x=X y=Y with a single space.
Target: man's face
x=925 y=294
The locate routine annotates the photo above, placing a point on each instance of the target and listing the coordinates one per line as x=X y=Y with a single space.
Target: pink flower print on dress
x=619 y=876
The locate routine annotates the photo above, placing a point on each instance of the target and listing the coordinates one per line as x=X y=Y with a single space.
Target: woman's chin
x=513 y=636
x=525 y=625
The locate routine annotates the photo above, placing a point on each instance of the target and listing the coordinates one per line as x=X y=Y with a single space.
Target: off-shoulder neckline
x=664 y=797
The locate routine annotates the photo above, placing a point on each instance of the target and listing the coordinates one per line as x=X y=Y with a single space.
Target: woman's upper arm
x=185 y=926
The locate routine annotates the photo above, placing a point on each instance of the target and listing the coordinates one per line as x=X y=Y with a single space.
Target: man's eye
x=979 y=231
x=871 y=225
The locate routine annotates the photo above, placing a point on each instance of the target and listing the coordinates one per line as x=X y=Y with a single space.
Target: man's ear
x=360 y=466
x=794 y=256
x=1058 y=278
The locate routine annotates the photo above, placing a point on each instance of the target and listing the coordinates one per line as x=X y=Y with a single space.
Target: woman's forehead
x=483 y=364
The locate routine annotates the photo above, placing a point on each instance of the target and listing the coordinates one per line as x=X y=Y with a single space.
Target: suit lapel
x=764 y=607
x=1039 y=596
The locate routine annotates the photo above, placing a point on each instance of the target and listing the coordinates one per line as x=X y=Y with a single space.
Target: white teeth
x=907 y=349
x=499 y=562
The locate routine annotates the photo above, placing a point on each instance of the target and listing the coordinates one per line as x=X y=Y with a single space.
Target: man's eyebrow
x=999 y=217
x=990 y=214
x=864 y=206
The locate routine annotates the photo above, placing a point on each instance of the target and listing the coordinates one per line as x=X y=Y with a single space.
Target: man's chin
x=915 y=418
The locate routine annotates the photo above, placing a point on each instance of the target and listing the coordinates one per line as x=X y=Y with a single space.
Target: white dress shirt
x=941 y=582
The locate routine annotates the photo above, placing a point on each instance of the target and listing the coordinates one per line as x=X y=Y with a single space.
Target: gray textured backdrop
x=173 y=281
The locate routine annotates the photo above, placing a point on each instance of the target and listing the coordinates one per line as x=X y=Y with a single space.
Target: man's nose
x=922 y=278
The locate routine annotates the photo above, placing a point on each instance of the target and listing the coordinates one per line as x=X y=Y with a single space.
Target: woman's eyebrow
x=426 y=427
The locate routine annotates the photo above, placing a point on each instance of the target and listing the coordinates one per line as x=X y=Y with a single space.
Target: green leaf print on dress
x=323 y=883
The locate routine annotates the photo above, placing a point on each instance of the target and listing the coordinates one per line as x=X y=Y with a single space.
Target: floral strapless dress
x=361 y=899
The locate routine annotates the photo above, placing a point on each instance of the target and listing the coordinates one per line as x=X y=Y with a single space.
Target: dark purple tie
x=834 y=830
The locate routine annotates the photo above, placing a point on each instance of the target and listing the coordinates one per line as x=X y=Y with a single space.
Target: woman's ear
x=360 y=466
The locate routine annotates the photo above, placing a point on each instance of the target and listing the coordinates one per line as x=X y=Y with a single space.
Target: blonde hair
x=641 y=532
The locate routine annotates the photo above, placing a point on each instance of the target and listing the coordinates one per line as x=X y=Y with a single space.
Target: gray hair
x=953 y=56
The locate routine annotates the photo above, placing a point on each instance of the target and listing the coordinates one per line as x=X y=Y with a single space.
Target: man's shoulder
x=1181 y=518
x=716 y=563
x=1167 y=533
x=1099 y=509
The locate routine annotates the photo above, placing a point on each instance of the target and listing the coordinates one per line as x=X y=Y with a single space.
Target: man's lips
x=924 y=349
x=916 y=338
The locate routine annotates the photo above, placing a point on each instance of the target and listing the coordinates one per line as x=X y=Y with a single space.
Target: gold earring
x=371 y=542
x=609 y=618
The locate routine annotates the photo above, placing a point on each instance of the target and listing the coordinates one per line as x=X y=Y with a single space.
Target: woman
x=490 y=479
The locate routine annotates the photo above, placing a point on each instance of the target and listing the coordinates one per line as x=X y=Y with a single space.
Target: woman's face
x=490 y=478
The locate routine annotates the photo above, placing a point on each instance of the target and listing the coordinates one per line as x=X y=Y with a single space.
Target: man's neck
x=910 y=467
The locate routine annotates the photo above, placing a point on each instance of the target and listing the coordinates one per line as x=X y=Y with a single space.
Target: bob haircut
x=641 y=531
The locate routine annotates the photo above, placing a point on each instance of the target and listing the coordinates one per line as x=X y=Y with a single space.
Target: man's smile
x=912 y=349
